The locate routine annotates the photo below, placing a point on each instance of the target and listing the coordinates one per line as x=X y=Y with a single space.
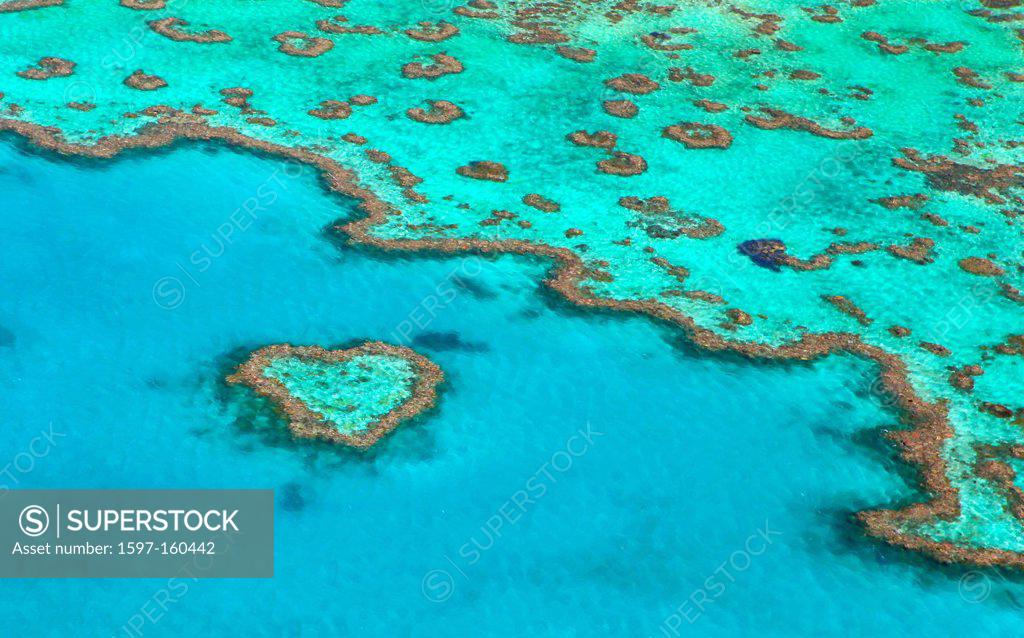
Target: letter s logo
x=34 y=521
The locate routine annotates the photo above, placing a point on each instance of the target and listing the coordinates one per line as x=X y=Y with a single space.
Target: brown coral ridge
x=937 y=349
x=824 y=261
x=576 y=54
x=969 y=77
x=804 y=74
x=541 y=203
x=779 y=119
x=885 y=46
x=828 y=14
x=921 y=444
x=144 y=5
x=861 y=92
x=484 y=170
x=899 y=331
x=944 y=174
x=659 y=41
x=1000 y=473
x=622 y=164
x=306 y=423
x=767 y=23
x=786 y=45
x=661 y=222
x=163 y=112
x=679 y=273
x=338 y=25
x=173 y=28
x=1011 y=293
x=498 y=216
x=238 y=97
x=620 y=108
x=482 y=9
x=737 y=318
x=1014 y=345
x=705 y=228
x=711 y=106
x=893 y=202
x=695 y=135
x=262 y=121
x=539 y=22
x=144 y=82
x=533 y=33
x=651 y=205
x=443 y=64
x=635 y=83
x=300 y=45
x=332 y=110
x=431 y=32
x=772 y=254
x=844 y=305
x=941 y=47
x=597 y=139
x=851 y=248
x=49 y=67
x=999 y=410
x=10 y=6
x=963 y=378
x=981 y=267
x=918 y=251
x=688 y=74
x=362 y=100
x=440 y=112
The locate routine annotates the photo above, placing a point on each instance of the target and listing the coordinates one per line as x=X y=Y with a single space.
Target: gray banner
x=137 y=534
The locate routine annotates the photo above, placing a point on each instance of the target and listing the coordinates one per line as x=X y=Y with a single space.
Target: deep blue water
x=690 y=458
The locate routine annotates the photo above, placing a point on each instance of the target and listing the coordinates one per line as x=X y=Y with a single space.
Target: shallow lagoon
x=686 y=458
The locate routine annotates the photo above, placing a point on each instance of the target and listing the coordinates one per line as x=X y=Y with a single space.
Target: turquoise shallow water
x=839 y=142
x=350 y=396
x=689 y=456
